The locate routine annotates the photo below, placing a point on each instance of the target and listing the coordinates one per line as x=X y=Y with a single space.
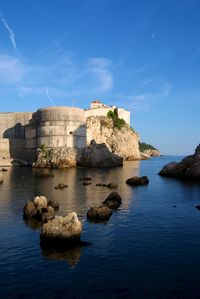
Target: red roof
x=96 y=102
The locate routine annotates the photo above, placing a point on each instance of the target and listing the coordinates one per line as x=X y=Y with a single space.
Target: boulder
x=62 y=231
x=39 y=208
x=113 y=201
x=137 y=181
x=188 y=168
x=101 y=213
x=99 y=156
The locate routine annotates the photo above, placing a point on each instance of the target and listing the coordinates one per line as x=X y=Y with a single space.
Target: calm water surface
x=150 y=247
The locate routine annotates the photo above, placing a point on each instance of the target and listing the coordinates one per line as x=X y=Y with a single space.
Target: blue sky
x=138 y=54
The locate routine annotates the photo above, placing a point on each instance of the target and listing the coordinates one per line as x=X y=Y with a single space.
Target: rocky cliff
x=188 y=168
x=121 y=141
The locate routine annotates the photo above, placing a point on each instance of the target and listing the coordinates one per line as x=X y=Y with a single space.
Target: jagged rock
x=62 y=231
x=1 y=178
x=99 y=156
x=43 y=173
x=188 y=168
x=137 y=181
x=101 y=213
x=122 y=142
x=61 y=186
x=113 y=201
x=53 y=204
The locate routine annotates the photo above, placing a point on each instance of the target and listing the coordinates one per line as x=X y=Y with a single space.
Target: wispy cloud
x=49 y=97
x=100 y=67
x=10 y=31
x=12 y=70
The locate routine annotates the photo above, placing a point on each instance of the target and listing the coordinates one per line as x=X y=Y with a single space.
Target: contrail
x=10 y=31
x=48 y=96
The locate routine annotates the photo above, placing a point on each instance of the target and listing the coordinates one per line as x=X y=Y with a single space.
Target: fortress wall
x=57 y=127
x=12 y=124
x=124 y=114
x=97 y=112
x=12 y=134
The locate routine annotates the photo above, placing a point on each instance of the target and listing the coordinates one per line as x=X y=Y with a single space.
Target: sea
x=150 y=247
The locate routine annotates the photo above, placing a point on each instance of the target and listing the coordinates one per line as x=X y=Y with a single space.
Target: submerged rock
x=137 y=181
x=101 y=213
x=61 y=186
x=113 y=201
x=188 y=168
x=62 y=231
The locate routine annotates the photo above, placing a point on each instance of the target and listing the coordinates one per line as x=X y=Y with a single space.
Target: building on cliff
x=21 y=134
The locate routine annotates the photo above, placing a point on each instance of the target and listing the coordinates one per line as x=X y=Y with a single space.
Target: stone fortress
x=21 y=134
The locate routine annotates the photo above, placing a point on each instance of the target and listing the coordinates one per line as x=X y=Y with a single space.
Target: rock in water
x=99 y=156
x=62 y=231
x=188 y=168
x=39 y=208
x=137 y=181
x=60 y=186
x=113 y=201
x=101 y=213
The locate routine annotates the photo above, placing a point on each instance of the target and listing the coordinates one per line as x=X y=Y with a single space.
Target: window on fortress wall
x=71 y=133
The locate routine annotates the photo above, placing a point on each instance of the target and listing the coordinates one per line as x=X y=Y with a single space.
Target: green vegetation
x=117 y=122
x=144 y=146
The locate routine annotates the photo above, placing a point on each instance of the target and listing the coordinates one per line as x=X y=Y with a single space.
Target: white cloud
x=12 y=70
x=10 y=31
x=99 y=66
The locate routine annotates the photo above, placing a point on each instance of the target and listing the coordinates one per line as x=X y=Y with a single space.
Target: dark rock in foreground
x=113 y=201
x=101 y=213
x=137 y=181
x=99 y=156
x=62 y=231
x=188 y=168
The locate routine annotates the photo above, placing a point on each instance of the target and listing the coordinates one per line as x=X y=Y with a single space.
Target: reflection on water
x=148 y=248
x=71 y=256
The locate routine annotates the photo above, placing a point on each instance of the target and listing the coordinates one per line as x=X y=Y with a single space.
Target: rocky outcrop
x=123 y=141
x=151 y=152
x=188 y=168
x=137 y=181
x=99 y=156
x=62 y=231
x=57 y=158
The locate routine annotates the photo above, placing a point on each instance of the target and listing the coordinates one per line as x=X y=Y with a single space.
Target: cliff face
x=123 y=141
